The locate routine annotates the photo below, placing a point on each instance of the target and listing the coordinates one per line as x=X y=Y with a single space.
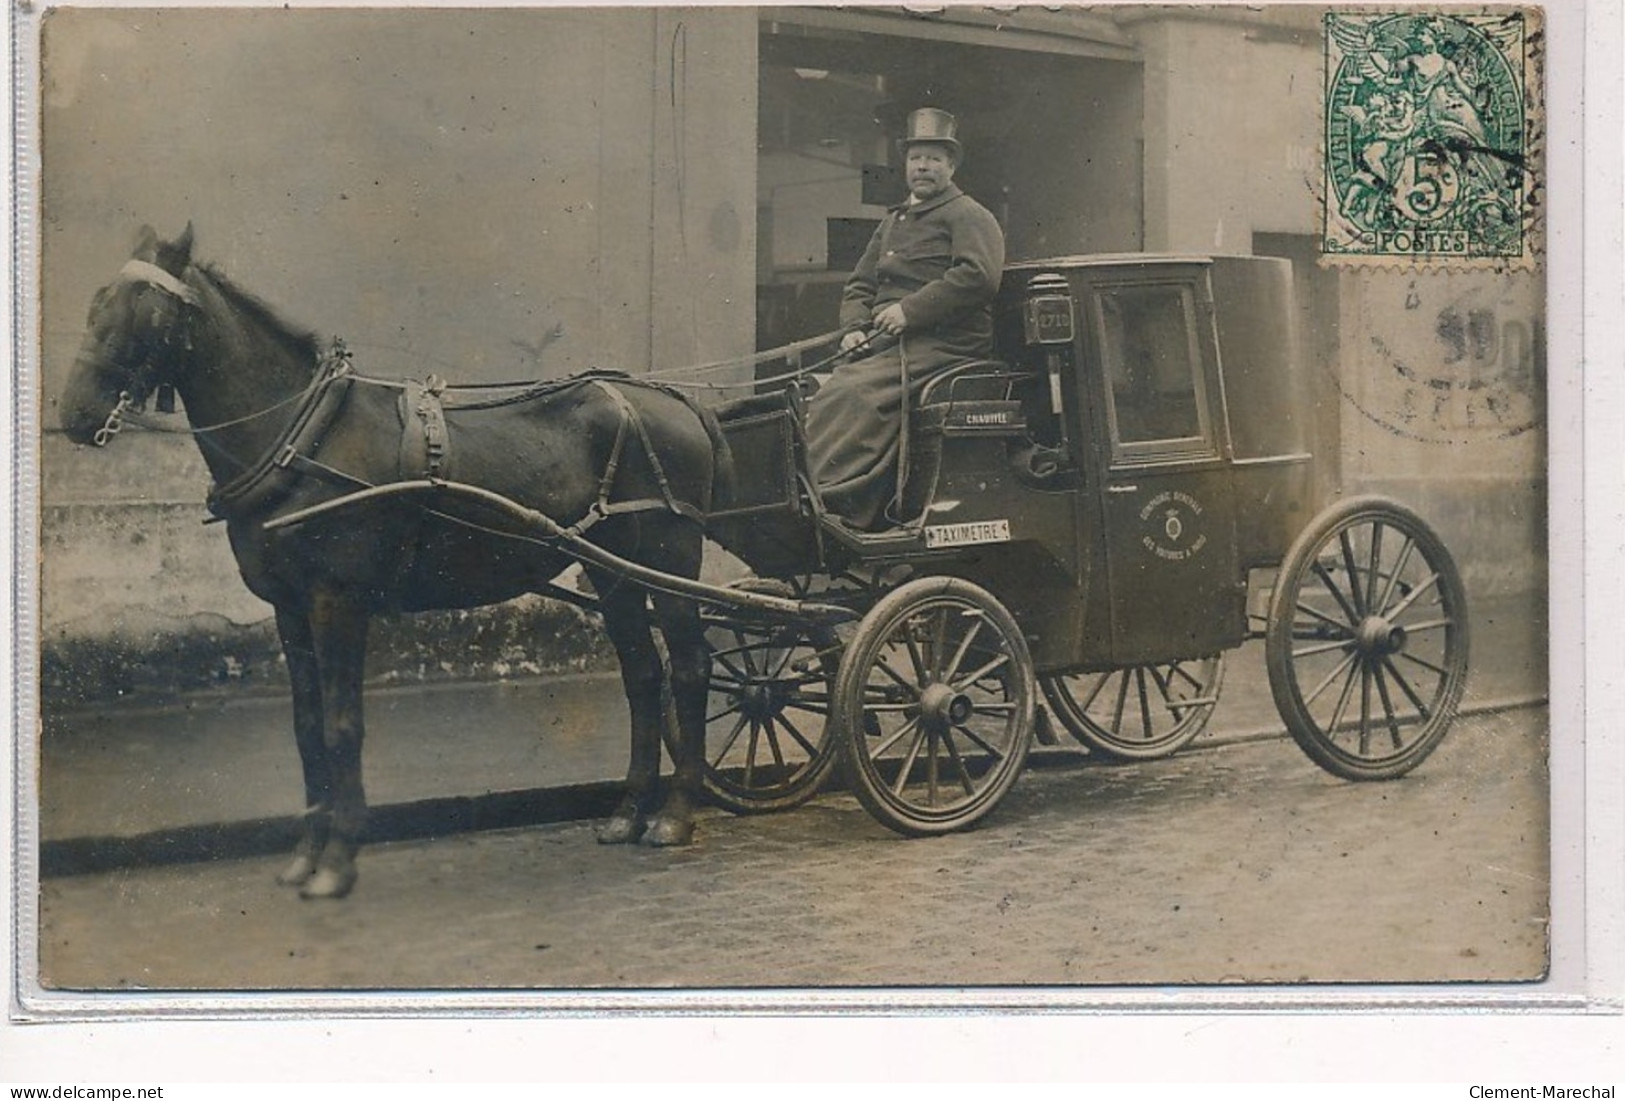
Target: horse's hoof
x=298 y=871
x=331 y=883
x=622 y=829
x=670 y=833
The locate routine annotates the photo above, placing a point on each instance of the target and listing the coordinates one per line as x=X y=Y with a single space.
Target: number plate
x=964 y=535
x=1049 y=319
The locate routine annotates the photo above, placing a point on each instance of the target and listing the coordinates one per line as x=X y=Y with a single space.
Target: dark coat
x=942 y=261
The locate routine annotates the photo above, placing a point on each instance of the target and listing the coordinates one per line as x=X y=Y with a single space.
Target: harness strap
x=262 y=484
x=140 y=271
x=425 y=440
x=603 y=508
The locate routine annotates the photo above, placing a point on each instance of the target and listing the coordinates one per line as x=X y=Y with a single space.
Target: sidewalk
x=218 y=774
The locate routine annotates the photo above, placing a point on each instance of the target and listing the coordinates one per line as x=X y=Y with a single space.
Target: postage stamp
x=1432 y=138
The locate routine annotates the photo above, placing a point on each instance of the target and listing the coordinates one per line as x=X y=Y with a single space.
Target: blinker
x=165 y=400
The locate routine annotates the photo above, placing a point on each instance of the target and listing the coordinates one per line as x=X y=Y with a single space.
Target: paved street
x=1236 y=863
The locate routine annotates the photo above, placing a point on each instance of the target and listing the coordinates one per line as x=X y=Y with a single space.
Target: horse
x=289 y=432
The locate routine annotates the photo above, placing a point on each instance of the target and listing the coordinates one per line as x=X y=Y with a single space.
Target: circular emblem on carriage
x=1173 y=522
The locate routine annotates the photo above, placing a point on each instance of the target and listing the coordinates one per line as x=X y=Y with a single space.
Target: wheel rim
x=1373 y=634
x=937 y=706
x=1141 y=712
x=766 y=730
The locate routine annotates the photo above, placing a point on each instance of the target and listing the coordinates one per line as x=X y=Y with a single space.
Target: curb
x=440 y=817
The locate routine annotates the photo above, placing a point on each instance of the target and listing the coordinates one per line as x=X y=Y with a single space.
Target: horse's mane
x=298 y=341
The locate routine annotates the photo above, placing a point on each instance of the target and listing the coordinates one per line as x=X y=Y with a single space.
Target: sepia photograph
x=643 y=507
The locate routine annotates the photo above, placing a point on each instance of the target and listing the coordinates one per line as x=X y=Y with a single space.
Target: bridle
x=141 y=271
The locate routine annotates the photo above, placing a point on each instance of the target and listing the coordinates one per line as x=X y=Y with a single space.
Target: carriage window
x=1152 y=367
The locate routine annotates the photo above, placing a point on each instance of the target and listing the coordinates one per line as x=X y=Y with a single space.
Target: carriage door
x=1169 y=504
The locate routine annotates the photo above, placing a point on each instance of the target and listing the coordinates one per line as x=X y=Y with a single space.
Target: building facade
x=491 y=194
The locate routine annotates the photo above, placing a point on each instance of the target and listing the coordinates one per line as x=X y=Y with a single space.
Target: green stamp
x=1429 y=137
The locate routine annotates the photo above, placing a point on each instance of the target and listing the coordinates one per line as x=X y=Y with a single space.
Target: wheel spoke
x=1393 y=578
x=730 y=651
x=1411 y=597
x=1355 y=597
x=959 y=763
x=788 y=652
x=750 y=752
x=728 y=742
x=1375 y=568
x=1348 y=632
x=933 y=760
x=1424 y=663
x=1325 y=575
x=747 y=651
x=996 y=663
x=770 y=729
x=1336 y=672
x=1179 y=670
x=1429 y=625
x=1145 y=703
x=794 y=732
x=1324 y=647
x=899 y=735
x=963 y=649
x=1100 y=682
x=1365 y=709
x=982 y=743
x=996 y=707
x=909 y=758
x=740 y=675
x=1164 y=688
x=1122 y=698
x=1388 y=709
x=939 y=643
x=914 y=656
x=880 y=663
x=1342 y=702
x=1405 y=686
x=732 y=708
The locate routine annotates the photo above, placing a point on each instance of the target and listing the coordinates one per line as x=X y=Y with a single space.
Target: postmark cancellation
x=1432 y=139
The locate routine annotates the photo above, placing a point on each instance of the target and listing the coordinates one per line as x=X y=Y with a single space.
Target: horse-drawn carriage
x=1094 y=513
x=1098 y=514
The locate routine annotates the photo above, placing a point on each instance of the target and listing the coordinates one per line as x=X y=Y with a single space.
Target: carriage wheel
x=1139 y=713
x=1367 y=640
x=768 y=745
x=934 y=704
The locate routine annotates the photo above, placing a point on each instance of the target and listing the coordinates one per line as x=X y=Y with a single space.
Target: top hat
x=934 y=125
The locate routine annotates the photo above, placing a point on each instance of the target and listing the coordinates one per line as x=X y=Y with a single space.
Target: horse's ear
x=146 y=244
x=177 y=254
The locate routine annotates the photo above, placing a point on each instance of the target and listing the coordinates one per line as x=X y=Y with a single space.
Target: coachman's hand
x=853 y=339
x=891 y=320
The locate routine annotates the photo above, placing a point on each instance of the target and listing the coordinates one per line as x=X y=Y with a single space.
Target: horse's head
x=138 y=332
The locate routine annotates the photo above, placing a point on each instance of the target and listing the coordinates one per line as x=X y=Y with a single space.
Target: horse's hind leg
x=339 y=631
x=690 y=658
x=626 y=621
x=300 y=652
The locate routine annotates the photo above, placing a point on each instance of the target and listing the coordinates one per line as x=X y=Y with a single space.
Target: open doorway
x=1052 y=146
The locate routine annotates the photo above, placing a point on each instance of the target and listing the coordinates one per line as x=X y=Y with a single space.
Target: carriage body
x=1134 y=451
x=1123 y=495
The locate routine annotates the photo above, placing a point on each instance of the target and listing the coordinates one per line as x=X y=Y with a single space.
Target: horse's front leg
x=338 y=628
x=626 y=621
x=293 y=627
x=690 y=658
